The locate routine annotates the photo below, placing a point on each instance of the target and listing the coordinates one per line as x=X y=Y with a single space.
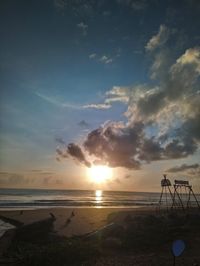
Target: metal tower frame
x=165 y=184
x=176 y=196
x=178 y=185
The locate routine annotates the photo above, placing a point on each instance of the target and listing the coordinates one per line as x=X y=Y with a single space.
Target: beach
x=101 y=236
x=85 y=220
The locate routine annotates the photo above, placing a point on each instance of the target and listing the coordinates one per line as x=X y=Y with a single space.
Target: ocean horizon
x=14 y=198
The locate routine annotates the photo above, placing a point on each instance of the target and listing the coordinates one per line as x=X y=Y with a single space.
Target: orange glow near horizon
x=100 y=173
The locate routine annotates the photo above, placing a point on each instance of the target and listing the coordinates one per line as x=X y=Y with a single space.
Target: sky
x=87 y=83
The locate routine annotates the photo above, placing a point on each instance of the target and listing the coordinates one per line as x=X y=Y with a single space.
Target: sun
x=100 y=173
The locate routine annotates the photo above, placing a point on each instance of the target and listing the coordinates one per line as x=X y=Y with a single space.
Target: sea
x=43 y=198
x=21 y=199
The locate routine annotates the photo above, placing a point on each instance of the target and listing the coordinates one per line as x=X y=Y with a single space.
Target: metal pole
x=180 y=200
x=173 y=198
x=174 y=263
x=170 y=192
x=188 y=199
x=195 y=198
x=160 y=197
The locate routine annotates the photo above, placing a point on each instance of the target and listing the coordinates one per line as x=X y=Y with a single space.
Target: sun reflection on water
x=98 y=196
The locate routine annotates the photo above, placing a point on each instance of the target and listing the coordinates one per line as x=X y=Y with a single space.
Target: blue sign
x=178 y=247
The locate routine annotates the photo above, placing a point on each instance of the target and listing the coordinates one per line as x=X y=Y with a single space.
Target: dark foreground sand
x=136 y=237
x=84 y=220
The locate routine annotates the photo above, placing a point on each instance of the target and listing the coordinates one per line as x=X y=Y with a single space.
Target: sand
x=142 y=241
x=84 y=221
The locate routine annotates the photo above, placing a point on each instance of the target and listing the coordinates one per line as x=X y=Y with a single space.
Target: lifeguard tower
x=181 y=198
x=183 y=194
x=166 y=195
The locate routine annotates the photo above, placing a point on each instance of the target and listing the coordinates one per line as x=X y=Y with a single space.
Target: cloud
x=183 y=167
x=106 y=60
x=79 y=8
x=162 y=61
x=191 y=56
x=163 y=118
x=117 y=94
x=83 y=124
x=34 y=178
x=60 y=140
x=101 y=106
x=180 y=148
x=61 y=153
x=115 y=144
x=41 y=172
x=60 y=4
x=83 y=27
x=134 y=4
x=75 y=152
x=57 y=103
x=54 y=101
x=139 y=4
x=120 y=145
x=159 y=39
x=10 y=179
x=92 y=56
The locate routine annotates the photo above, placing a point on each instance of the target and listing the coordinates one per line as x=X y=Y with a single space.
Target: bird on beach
x=52 y=215
x=72 y=214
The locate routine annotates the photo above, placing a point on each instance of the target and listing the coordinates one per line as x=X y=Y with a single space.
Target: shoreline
x=7 y=209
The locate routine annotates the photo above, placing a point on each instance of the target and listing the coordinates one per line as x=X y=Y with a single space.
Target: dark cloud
x=75 y=152
x=83 y=124
x=177 y=149
x=151 y=151
x=60 y=141
x=115 y=145
x=183 y=167
x=152 y=103
x=129 y=146
x=61 y=153
x=192 y=127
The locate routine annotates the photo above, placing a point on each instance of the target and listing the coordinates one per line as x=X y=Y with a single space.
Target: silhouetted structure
x=181 y=196
x=166 y=193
